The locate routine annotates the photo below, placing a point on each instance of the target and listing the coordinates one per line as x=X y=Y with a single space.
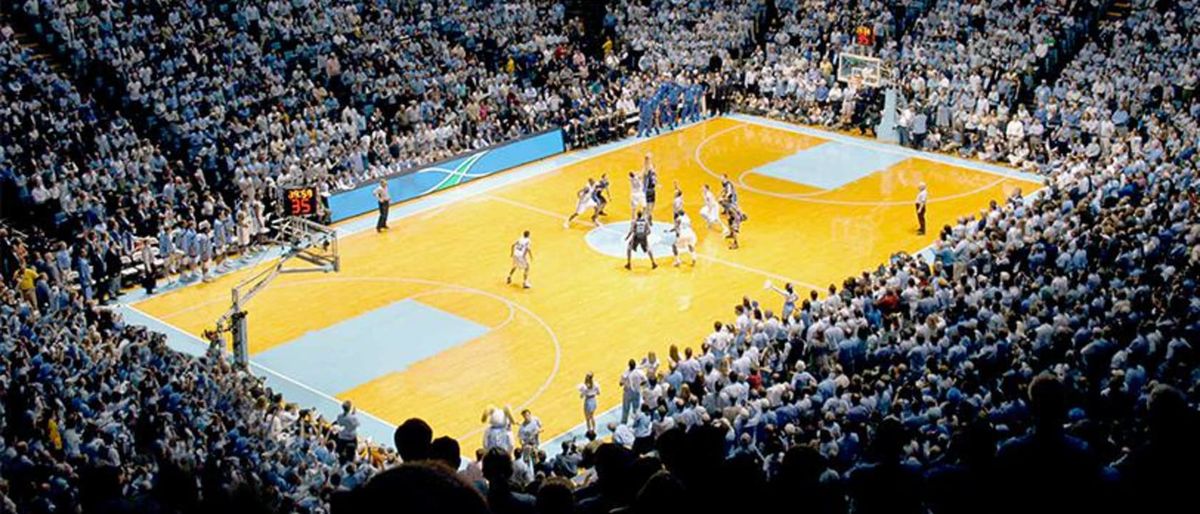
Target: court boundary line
x=482 y=186
x=505 y=178
x=441 y=199
x=266 y=370
x=512 y=306
x=287 y=285
x=411 y=208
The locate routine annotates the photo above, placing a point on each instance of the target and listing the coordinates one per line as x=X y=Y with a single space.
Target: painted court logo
x=453 y=177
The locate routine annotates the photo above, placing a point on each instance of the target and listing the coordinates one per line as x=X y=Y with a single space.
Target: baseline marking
x=264 y=369
x=446 y=287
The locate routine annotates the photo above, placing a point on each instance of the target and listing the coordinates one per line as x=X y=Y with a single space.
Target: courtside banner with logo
x=449 y=173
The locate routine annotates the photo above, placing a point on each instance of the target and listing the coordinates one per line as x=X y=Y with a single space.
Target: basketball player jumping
x=651 y=178
x=522 y=253
x=639 y=237
x=637 y=193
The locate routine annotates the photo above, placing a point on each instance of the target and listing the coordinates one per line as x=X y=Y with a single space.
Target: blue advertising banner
x=446 y=174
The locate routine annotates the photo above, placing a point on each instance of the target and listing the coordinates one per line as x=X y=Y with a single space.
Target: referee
x=922 y=199
x=385 y=200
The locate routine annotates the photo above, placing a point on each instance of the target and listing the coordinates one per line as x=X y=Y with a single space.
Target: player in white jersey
x=637 y=192
x=685 y=237
x=587 y=200
x=522 y=253
x=677 y=201
x=711 y=212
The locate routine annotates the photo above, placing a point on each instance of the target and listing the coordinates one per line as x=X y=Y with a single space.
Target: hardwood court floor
x=585 y=312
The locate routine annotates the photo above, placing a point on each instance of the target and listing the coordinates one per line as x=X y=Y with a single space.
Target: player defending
x=685 y=237
x=651 y=178
x=735 y=217
x=600 y=195
x=728 y=192
x=639 y=237
x=586 y=201
x=522 y=253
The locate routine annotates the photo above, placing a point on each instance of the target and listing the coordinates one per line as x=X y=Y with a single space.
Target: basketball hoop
x=302 y=240
x=859 y=70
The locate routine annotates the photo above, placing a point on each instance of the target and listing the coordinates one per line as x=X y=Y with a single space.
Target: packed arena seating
x=103 y=416
x=1041 y=358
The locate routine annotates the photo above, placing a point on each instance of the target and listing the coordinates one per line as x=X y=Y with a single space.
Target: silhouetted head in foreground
x=413 y=440
x=414 y=488
x=1048 y=403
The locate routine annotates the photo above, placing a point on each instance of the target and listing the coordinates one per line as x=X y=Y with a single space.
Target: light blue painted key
x=830 y=165
x=360 y=349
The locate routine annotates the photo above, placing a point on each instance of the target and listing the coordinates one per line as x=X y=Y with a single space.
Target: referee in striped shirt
x=922 y=199
x=385 y=200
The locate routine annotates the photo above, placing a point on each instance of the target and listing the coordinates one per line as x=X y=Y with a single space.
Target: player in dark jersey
x=651 y=179
x=599 y=194
x=735 y=217
x=728 y=192
x=639 y=237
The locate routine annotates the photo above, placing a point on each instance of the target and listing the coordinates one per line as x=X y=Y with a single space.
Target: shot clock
x=301 y=201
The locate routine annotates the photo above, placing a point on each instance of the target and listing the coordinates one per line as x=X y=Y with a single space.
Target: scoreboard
x=301 y=201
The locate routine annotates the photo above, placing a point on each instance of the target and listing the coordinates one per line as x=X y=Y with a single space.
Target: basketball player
x=522 y=253
x=922 y=199
x=677 y=201
x=651 y=179
x=728 y=193
x=711 y=212
x=600 y=195
x=685 y=237
x=735 y=217
x=733 y=213
x=586 y=201
x=639 y=237
x=637 y=193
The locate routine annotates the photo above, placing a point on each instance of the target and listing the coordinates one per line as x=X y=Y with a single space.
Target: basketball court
x=420 y=323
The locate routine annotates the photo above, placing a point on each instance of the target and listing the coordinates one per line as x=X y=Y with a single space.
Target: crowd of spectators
x=100 y=416
x=1040 y=358
x=794 y=74
x=961 y=68
x=1030 y=360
